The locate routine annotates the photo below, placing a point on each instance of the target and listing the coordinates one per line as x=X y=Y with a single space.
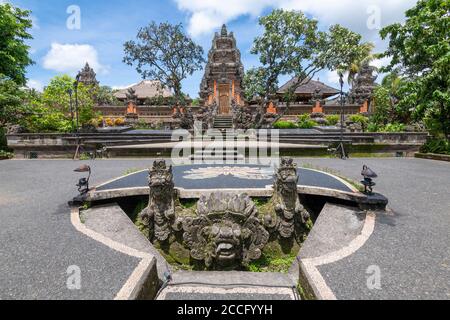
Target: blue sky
x=107 y=24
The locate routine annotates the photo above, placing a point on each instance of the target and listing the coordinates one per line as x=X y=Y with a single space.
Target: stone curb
x=309 y=275
x=432 y=156
x=136 y=285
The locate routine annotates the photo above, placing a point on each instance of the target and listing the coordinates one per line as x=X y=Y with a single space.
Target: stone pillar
x=131 y=108
x=233 y=92
x=271 y=108
x=365 y=107
x=318 y=107
x=132 y=115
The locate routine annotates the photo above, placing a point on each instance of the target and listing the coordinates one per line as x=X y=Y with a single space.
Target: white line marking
x=310 y=264
x=130 y=289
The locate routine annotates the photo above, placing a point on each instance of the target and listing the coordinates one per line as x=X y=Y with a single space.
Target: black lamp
x=83 y=183
x=368 y=183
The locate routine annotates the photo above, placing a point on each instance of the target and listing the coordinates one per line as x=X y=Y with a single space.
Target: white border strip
x=130 y=289
x=335 y=177
x=191 y=289
x=310 y=265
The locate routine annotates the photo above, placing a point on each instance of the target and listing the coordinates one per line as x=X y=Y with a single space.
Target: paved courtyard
x=39 y=243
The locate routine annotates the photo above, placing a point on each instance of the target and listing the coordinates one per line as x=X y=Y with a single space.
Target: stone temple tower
x=224 y=72
x=88 y=76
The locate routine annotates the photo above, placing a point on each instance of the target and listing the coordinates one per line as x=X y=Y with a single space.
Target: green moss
x=177 y=255
x=188 y=203
x=82 y=218
x=269 y=263
x=261 y=202
x=372 y=155
x=304 y=294
x=141 y=205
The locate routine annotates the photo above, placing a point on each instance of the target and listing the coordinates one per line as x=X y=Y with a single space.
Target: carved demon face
x=227 y=237
x=226 y=232
x=160 y=180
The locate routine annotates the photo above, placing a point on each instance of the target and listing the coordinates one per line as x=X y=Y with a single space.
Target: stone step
x=217 y=158
x=229 y=285
x=217 y=152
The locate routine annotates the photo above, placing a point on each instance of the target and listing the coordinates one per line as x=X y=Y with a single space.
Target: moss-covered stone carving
x=159 y=215
x=286 y=204
x=226 y=232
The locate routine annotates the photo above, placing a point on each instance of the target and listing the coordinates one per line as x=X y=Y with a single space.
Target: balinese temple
x=222 y=84
x=224 y=72
x=309 y=91
x=88 y=76
x=146 y=89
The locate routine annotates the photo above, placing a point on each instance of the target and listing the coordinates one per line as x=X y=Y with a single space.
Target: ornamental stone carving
x=286 y=201
x=225 y=232
x=159 y=215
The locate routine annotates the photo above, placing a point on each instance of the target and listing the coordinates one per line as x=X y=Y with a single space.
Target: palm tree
x=367 y=57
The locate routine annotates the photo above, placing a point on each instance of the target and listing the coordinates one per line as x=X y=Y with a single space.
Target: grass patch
x=269 y=263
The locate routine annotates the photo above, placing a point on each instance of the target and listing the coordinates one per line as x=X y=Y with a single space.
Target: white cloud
x=383 y=62
x=206 y=16
x=72 y=57
x=121 y=87
x=35 y=22
x=35 y=84
x=332 y=77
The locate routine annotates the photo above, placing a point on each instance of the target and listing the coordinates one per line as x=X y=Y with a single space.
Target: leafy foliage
x=439 y=146
x=14 y=58
x=284 y=125
x=420 y=52
x=390 y=127
x=332 y=120
x=291 y=44
x=50 y=111
x=163 y=52
x=305 y=122
x=104 y=96
x=11 y=107
x=354 y=67
x=362 y=120
x=6 y=155
x=389 y=106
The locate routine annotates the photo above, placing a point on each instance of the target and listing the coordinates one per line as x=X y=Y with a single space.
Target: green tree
x=387 y=99
x=11 y=107
x=104 y=95
x=56 y=97
x=292 y=44
x=14 y=58
x=165 y=53
x=420 y=52
x=354 y=67
x=50 y=111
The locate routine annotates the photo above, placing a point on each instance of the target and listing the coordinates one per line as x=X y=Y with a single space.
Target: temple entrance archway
x=224 y=99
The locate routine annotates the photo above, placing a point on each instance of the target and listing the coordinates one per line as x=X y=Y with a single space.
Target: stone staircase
x=217 y=155
x=223 y=122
